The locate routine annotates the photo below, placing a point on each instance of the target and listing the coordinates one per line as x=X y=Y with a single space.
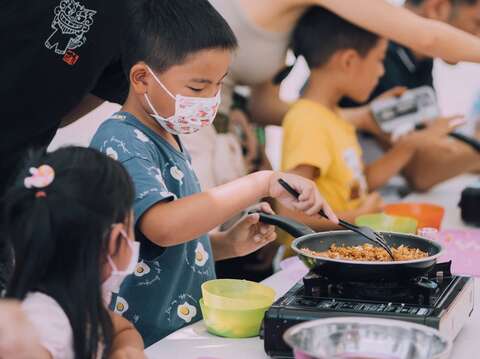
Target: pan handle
x=290 y=226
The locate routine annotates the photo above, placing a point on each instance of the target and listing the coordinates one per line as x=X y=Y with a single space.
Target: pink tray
x=462 y=247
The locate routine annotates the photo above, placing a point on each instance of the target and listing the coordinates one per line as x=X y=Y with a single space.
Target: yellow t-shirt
x=319 y=137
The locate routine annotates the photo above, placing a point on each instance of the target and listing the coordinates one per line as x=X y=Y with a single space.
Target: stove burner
x=441 y=301
x=422 y=290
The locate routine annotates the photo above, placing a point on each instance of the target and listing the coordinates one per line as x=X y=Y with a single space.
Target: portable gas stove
x=441 y=301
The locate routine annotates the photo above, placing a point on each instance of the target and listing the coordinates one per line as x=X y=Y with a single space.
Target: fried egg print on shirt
x=181 y=310
x=177 y=174
x=197 y=258
x=110 y=152
x=121 y=305
x=141 y=136
x=201 y=255
x=141 y=269
x=186 y=312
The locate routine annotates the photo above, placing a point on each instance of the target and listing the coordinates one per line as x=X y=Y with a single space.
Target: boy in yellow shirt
x=319 y=143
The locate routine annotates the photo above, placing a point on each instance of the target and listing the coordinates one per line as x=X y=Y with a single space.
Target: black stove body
x=441 y=301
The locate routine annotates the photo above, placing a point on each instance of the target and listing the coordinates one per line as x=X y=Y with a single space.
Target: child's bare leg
x=439 y=160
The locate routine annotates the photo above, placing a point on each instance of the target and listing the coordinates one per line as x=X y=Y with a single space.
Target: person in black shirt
x=407 y=68
x=60 y=59
x=402 y=68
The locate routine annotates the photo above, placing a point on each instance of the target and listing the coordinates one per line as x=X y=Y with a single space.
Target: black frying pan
x=355 y=270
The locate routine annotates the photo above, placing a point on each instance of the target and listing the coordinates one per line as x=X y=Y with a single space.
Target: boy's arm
x=127 y=342
x=171 y=223
x=382 y=170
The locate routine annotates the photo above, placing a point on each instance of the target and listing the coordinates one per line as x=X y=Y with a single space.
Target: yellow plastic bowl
x=386 y=223
x=232 y=323
x=234 y=294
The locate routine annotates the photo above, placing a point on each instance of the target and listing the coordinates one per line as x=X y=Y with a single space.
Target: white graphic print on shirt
x=70 y=24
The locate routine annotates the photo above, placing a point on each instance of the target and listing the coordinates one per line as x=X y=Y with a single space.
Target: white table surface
x=194 y=342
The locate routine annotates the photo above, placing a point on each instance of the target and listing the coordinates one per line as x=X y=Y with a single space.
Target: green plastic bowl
x=386 y=223
x=232 y=323
x=235 y=294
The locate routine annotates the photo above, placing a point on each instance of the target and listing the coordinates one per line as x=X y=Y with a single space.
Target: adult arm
x=430 y=37
x=88 y=104
x=111 y=85
x=266 y=107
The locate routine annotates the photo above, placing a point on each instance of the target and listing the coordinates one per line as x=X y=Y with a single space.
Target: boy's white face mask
x=191 y=113
x=113 y=283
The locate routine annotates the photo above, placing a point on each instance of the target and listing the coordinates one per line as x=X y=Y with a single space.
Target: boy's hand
x=368 y=123
x=310 y=201
x=128 y=353
x=249 y=234
x=393 y=92
x=373 y=203
x=435 y=129
x=444 y=125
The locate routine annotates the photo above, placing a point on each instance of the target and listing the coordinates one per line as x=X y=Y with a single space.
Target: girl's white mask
x=113 y=283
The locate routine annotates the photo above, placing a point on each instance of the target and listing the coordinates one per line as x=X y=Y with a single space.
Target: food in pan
x=368 y=252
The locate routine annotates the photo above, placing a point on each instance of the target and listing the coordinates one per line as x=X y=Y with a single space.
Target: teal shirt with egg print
x=163 y=293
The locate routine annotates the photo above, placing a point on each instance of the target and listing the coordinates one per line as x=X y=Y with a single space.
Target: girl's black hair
x=60 y=240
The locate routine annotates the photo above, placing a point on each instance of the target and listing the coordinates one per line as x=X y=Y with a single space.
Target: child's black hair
x=164 y=32
x=320 y=33
x=60 y=239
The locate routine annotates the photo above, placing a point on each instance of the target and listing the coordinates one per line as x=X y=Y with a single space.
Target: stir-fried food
x=367 y=252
